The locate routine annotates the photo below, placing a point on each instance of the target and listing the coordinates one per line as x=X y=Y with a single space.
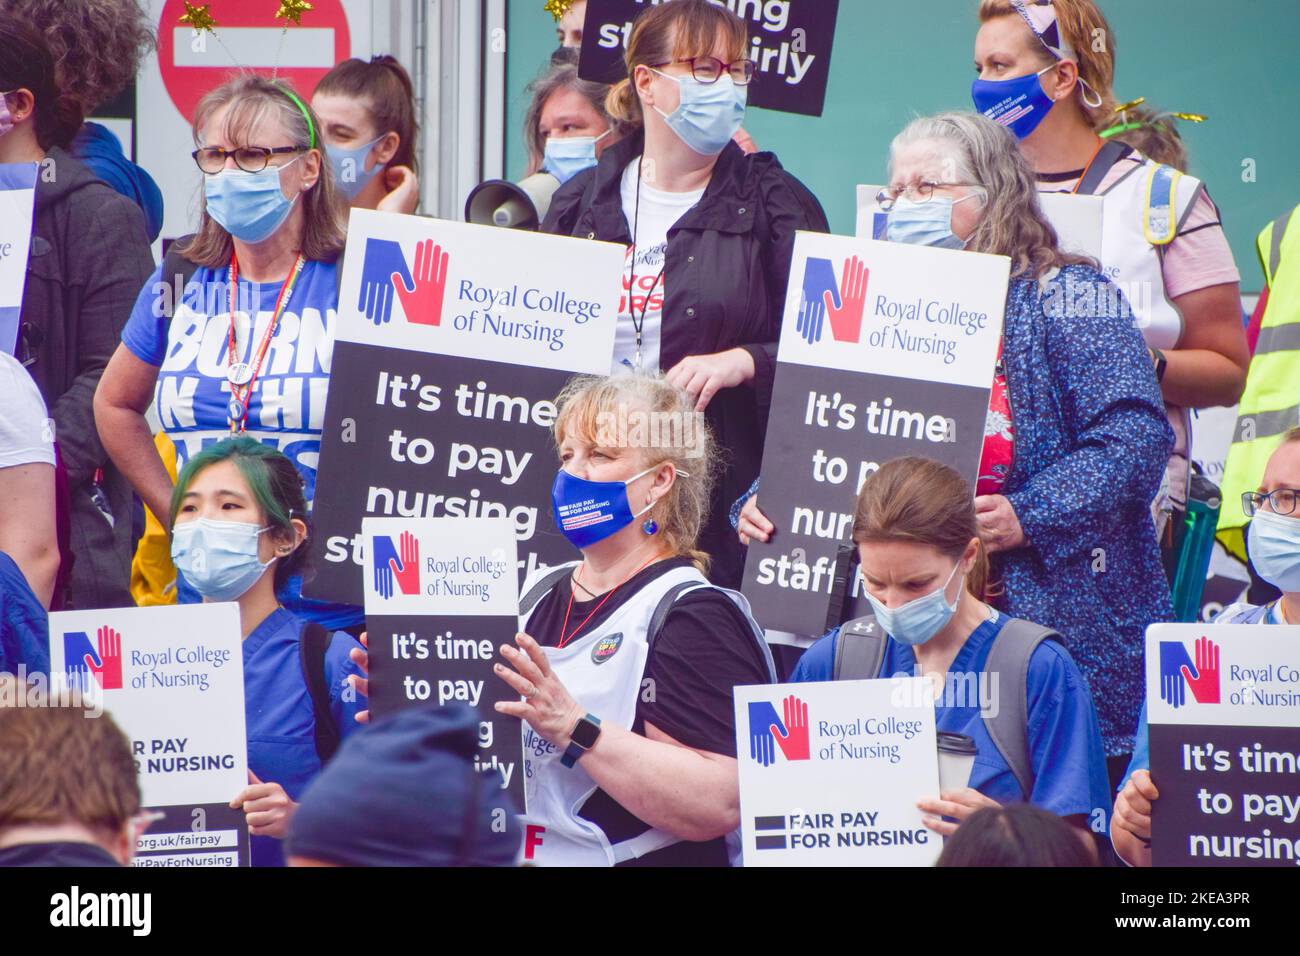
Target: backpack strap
x=1109 y=154
x=665 y=607
x=859 y=649
x=1008 y=726
x=542 y=588
x=312 y=645
x=176 y=267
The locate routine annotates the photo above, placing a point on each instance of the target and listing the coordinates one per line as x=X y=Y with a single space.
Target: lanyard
x=565 y=634
x=639 y=326
x=1084 y=175
x=242 y=375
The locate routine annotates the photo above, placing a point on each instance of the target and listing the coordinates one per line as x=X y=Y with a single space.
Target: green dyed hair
x=274 y=482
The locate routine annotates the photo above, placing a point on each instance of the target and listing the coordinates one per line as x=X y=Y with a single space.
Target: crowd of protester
x=102 y=505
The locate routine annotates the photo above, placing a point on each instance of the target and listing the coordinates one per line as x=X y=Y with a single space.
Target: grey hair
x=977 y=150
x=562 y=76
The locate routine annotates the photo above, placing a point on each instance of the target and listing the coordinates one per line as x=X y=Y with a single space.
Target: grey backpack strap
x=859 y=649
x=542 y=588
x=1008 y=727
x=665 y=607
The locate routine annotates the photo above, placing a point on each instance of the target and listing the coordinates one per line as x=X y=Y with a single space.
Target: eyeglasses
x=1280 y=501
x=709 y=69
x=921 y=192
x=251 y=159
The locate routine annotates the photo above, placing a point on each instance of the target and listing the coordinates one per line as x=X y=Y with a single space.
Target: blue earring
x=650 y=527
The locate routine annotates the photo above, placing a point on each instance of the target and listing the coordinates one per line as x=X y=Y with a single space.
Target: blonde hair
x=922 y=501
x=1085 y=30
x=1013 y=223
x=252 y=98
x=667 y=32
x=645 y=412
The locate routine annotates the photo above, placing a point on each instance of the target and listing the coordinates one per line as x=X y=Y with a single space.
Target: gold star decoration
x=199 y=18
x=558 y=8
x=292 y=10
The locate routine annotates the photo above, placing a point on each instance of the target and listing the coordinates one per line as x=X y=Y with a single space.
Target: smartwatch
x=581 y=740
x=1160 y=362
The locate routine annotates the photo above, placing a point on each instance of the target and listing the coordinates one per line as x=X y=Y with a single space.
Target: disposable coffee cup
x=956 y=759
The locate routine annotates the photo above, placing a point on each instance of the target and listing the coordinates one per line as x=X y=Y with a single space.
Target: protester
x=68 y=790
x=423 y=804
x=97 y=49
x=88 y=257
x=239 y=532
x=917 y=534
x=711 y=232
x=1275 y=551
x=569 y=23
x=1019 y=835
x=247 y=347
x=1087 y=432
x=655 y=782
x=567 y=126
x=28 y=533
x=370 y=131
x=1043 y=73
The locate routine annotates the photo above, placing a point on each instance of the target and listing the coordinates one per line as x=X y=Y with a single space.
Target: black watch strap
x=583 y=738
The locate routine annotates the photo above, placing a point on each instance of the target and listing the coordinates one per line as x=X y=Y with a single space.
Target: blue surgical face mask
x=567 y=156
x=349 y=165
x=1019 y=104
x=219 y=558
x=709 y=114
x=924 y=223
x=917 y=621
x=587 y=512
x=1274 y=545
x=249 y=206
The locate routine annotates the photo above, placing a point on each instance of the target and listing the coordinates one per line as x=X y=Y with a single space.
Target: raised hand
x=1205 y=682
x=384 y=260
x=422 y=301
x=762 y=719
x=109 y=666
x=794 y=740
x=818 y=281
x=408 y=574
x=1173 y=658
x=385 y=557
x=845 y=310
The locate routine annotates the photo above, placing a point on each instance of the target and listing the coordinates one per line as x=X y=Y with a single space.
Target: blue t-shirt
x=1064 y=737
x=287 y=406
x=281 y=722
x=24 y=625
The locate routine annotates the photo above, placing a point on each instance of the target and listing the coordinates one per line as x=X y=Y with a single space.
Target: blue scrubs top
x=328 y=614
x=24 y=625
x=1064 y=736
x=281 y=723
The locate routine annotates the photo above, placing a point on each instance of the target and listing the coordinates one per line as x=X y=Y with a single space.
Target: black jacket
x=89 y=259
x=727 y=266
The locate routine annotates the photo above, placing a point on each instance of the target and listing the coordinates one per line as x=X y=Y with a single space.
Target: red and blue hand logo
x=385 y=273
x=391 y=565
x=103 y=660
x=822 y=298
x=1177 y=672
x=767 y=731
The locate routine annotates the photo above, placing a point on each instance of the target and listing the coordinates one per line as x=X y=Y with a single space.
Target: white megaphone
x=521 y=205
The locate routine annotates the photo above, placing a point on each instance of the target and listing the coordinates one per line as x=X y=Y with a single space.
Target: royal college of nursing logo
x=100 y=663
x=398 y=565
x=1178 y=673
x=825 y=300
x=386 y=275
x=768 y=731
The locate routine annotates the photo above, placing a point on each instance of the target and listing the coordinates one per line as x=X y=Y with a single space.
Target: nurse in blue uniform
x=923 y=564
x=1273 y=543
x=238 y=533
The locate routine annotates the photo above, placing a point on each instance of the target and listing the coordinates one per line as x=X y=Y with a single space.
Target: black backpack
x=312 y=645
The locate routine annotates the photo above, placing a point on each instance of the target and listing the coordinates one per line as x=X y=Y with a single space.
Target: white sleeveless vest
x=603 y=670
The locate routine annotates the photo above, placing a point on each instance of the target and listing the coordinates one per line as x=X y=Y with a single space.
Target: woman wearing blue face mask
x=1273 y=541
x=234 y=333
x=629 y=656
x=709 y=232
x=923 y=569
x=567 y=127
x=369 y=127
x=239 y=533
x=1076 y=437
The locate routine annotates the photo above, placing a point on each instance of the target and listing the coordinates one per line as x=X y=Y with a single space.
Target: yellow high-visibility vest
x=153 y=576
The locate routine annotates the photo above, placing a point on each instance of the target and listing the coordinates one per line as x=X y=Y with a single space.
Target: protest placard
x=441 y=400
x=830 y=773
x=886 y=350
x=172 y=678
x=441 y=597
x=1223 y=712
x=17 y=202
x=790 y=44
